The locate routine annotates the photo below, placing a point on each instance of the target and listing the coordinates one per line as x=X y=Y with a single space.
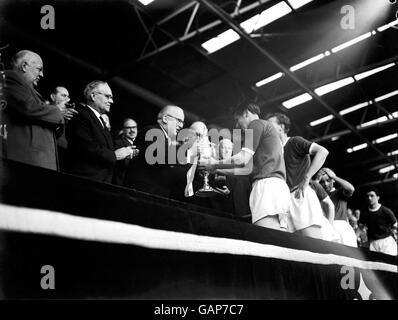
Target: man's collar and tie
x=98 y=115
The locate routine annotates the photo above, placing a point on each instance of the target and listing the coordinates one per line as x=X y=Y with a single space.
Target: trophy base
x=206 y=191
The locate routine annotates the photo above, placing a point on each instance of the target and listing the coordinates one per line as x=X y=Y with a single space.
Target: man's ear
x=23 y=66
x=52 y=97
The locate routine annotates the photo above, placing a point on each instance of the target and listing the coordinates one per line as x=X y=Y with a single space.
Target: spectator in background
x=32 y=124
x=91 y=151
x=381 y=224
x=60 y=98
x=360 y=231
x=339 y=197
x=234 y=189
x=329 y=233
x=129 y=133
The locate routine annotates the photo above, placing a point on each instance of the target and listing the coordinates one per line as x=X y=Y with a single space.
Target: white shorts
x=329 y=233
x=306 y=211
x=385 y=245
x=347 y=233
x=270 y=196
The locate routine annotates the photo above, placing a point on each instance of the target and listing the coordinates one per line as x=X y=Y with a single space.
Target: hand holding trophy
x=205 y=150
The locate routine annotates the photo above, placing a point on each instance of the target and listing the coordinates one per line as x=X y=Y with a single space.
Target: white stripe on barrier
x=59 y=224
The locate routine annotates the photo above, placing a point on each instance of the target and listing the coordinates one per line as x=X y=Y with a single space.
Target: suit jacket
x=90 y=147
x=165 y=178
x=121 y=165
x=31 y=124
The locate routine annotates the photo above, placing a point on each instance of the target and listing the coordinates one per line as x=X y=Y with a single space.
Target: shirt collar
x=97 y=114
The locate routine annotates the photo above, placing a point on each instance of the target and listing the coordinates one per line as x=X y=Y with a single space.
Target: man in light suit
x=32 y=124
x=90 y=146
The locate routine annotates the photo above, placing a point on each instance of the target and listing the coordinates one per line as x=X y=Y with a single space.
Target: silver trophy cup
x=205 y=151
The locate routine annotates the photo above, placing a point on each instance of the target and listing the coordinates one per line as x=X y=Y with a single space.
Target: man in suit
x=60 y=98
x=31 y=123
x=160 y=168
x=126 y=139
x=90 y=146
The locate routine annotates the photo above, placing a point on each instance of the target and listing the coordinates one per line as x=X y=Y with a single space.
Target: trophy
x=205 y=151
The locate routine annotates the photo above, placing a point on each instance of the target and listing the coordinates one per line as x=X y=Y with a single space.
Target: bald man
x=32 y=124
x=156 y=169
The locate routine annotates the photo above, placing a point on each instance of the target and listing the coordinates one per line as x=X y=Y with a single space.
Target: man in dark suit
x=90 y=146
x=60 y=98
x=160 y=168
x=126 y=139
x=31 y=123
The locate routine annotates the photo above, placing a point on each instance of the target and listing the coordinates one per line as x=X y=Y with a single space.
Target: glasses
x=108 y=96
x=177 y=119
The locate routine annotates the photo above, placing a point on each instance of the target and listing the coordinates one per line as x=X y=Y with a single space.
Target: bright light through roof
x=387 y=26
x=307 y=62
x=368 y=73
x=372 y=122
x=266 y=17
x=333 y=86
x=298 y=3
x=354 y=108
x=269 y=79
x=386 y=169
x=321 y=120
x=352 y=42
x=358 y=147
x=145 y=2
x=386 y=96
x=386 y=138
x=393 y=153
x=297 y=100
x=222 y=40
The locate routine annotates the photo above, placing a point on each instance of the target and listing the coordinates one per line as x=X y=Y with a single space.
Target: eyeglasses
x=108 y=96
x=177 y=119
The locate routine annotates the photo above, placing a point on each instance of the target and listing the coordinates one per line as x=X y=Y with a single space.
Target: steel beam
x=234 y=26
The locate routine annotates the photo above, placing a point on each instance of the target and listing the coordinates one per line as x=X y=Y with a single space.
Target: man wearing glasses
x=90 y=145
x=126 y=139
x=157 y=169
x=32 y=125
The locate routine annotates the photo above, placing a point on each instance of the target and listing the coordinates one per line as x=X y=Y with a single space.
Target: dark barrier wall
x=93 y=268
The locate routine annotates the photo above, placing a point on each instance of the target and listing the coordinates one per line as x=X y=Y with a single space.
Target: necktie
x=103 y=123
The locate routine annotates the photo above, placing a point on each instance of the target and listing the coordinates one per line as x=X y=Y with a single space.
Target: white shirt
x=97 y=114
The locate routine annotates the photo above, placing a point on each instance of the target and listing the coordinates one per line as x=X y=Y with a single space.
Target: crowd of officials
x=271 y=179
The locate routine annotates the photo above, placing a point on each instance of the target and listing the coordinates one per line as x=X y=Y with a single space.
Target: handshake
x=126 y=153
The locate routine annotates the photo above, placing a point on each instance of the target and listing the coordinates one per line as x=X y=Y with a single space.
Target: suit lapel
x=105 y=132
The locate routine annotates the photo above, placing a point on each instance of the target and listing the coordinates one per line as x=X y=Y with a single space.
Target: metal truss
x=190 y=29
x=234 y=26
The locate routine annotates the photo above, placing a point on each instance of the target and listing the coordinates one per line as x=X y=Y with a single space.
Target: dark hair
x=374 y=189
x=246 y=106
x=282 y=119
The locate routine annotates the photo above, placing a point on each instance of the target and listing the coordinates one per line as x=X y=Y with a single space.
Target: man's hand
x=299 y=193
x=207 y=164
x=224 y=190
x=329 y=172
x=67 y=113
x=123 y=153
